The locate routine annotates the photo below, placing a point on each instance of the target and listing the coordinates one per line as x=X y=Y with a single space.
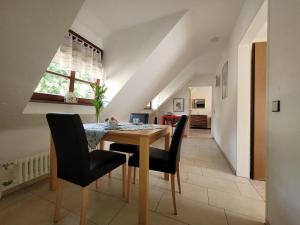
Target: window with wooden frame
x=58 y=81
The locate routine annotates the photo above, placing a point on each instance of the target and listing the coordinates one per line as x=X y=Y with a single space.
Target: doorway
x=200 y=108
x=258 y=140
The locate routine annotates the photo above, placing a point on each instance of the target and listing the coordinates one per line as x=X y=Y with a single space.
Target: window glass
x=85 y=76
x=83 y=90
x=54 y=67
x=53 y=84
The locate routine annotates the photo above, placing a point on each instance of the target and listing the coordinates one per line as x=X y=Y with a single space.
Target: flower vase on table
x=98 y=101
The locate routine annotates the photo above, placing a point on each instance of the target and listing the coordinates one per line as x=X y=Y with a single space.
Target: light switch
x=276 y=106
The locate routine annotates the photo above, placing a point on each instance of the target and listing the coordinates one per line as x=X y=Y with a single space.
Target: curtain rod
x=86 y=41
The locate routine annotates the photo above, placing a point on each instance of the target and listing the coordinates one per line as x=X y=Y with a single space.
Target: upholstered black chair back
x=71 y=146
x=143 y=117
x=174 y=151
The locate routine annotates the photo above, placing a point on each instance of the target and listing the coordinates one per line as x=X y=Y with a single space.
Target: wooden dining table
x=142 y=138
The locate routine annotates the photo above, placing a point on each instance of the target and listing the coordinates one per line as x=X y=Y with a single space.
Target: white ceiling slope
x=31 y=32
x=168 y=58
x=205 y=63
x=107 y=16
x=127 y=49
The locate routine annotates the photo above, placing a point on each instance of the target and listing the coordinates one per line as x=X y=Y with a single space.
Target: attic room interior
x=149 y=112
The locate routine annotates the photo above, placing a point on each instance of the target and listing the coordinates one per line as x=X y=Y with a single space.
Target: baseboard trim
x=267 y=222
x=22 y=186
x=228 y=161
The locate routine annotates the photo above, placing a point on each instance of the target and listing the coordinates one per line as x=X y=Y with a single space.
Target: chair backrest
x=143 y=117
x=71 y=146
x=174 y=151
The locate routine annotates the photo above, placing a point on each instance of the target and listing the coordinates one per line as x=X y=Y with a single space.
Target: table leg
x=144 y=181
x=53 y=166
x=167 y=146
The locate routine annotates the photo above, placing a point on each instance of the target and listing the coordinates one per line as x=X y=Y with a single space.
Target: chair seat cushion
x=158 y=160
x=124 y=148
x=102 y=162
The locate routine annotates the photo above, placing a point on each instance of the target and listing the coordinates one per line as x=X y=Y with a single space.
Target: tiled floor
x=211 y=195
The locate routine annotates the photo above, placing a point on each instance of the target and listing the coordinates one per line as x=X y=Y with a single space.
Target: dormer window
x=76 y=64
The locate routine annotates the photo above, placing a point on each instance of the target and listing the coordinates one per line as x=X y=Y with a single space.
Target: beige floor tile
x=101 y=207
x=73 y=219
x=248 y=190
x=238 y=219
x=223 y=175
x=109 y=186
x=190 y=169
x=192 y=212
x=13 y=198
x=260 y=187
x=246 y=206
x=214 y=183
x=29 y=211
x=129 y=215
x=155 y=195
x=194 y=192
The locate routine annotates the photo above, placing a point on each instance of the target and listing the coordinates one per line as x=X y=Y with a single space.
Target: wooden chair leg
x=84 y=204
x=134 y=175
x=178 y=179
x=58 y=200
x=128 y=196
x=173 y=193
x=97 y=184
x=124 y=179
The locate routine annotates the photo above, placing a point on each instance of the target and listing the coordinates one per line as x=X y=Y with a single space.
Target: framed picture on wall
x=178 y=104
x=225 y=81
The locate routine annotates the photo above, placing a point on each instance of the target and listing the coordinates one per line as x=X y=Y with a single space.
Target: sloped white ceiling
x=108 y=16
x=205 y=63
x=166 y=60
x=127 y=50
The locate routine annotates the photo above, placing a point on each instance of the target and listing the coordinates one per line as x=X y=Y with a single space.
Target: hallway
x=211 y=195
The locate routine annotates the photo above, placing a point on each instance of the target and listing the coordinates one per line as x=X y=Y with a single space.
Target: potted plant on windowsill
x=98 y=101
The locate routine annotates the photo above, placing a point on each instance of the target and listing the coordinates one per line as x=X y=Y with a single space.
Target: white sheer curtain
x=74 y=54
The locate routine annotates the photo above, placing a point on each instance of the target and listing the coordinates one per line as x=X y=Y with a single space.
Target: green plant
x=98 y=101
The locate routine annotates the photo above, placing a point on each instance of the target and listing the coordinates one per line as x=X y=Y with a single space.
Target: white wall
x=256 y=31
x=225 y=114
x=283 y=183
x=202 y=93
x=31 y=32
x=43 y=108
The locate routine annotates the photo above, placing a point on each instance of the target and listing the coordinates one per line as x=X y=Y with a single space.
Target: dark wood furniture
x=198 y=121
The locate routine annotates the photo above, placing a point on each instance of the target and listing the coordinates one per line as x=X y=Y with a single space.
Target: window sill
x=60 y=102
x=56 y=99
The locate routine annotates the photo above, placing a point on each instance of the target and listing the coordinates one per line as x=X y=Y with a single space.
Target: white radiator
x=32 y=167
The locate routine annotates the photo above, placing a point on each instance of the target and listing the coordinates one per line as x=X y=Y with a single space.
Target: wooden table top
x=133 y=137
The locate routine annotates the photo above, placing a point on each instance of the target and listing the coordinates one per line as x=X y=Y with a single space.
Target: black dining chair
x=74 y=161
x=163 y=161
x=128 y=148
